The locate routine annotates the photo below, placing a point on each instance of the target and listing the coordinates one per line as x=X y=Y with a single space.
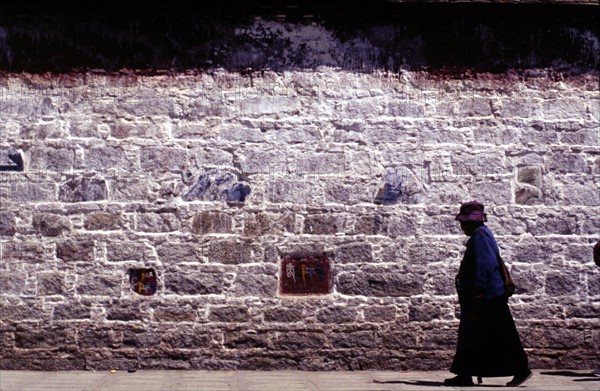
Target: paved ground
x=543 y=380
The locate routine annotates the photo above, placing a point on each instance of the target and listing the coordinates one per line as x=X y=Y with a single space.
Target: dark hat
x=471 y=211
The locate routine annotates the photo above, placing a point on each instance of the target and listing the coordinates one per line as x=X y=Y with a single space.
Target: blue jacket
x=479 y=269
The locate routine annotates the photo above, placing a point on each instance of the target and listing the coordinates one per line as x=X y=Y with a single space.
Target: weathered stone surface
x=29 y=252
x=564 y=162
x=51 y=283
x=554 y=224
x=98 y=283
x=37 y=364
x=324 y=224
x=229 y=314
x=559 y=284
x=563 y=108
x=71 y=311
x=20 y=312
x=424 y=311
x=127 y=312
x=246 y=340
x=402 y=225
x=361 y=339
x=36 y=191
x=528 y=195
x=7 y=224
x=124 y=130
x=438 y=339
x=594 y=285
x=175 y=314
x=440 y=283
x=252 y=284
x=13 y=281
x=75 y=250
x=36 y=337
x=297 y=341
x=354 y=253
x=233 y=252
x=106 y=159
x=53 y=159
x=135 y=337
x=94 y=338
x=400 y=185
x=388 y=283
x=401 y=340
x=346 y=193
x=582 y=194
x=531 y=175
x=130 y=189
x=584 y=311
x=214 y=185
x=256 y=224
x=441 y=224
x=83 y=129
x=337 y=315
x=158 y=222
x=82 y=190
x=119 y=251
x=51 y=224
x=43 y=131
x=103 y=221
x=212 y=193
x=305 y=192
x=193 y=282
x=173 y=253
x=491 y=192
x=284 y=314
x=183 y=339
x=371 y=224
x=211 y=222
x=158 y=159
x=379 y=314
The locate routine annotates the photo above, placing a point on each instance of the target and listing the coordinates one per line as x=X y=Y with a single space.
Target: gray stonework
x=211 y=178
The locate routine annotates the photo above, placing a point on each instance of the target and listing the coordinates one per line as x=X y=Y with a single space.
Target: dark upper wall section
x=63 y=36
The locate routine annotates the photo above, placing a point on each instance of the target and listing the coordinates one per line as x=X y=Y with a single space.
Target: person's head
x=471 y=216
x=597 y=253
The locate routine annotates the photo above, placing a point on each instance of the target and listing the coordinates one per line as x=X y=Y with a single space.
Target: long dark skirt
x=489 y=346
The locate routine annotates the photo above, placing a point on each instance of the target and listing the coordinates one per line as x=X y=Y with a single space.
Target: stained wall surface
x=285 y=135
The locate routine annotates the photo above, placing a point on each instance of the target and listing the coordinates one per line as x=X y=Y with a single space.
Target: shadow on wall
x=63 y=36
x=11 y=160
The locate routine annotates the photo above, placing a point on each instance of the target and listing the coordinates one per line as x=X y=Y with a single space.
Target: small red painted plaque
x=310 y=275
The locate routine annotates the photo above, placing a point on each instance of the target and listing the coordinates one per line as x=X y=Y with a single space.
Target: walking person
x=488 y=342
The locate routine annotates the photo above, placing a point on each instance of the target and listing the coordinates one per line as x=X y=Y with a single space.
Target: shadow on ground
x=425 y=383
x=569 y=374
x=584 y=377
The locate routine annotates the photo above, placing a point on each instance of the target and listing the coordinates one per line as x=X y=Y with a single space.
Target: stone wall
x=212 y=177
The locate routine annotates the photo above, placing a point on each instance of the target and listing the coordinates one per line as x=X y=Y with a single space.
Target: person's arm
x=485 y=262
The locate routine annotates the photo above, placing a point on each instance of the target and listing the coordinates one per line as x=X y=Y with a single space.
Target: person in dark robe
x=488 y=342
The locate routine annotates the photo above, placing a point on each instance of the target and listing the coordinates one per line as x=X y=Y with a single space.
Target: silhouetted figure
x=488 y=341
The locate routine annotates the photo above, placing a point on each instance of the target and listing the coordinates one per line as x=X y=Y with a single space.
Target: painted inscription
x=305 y=275
x=143 y=281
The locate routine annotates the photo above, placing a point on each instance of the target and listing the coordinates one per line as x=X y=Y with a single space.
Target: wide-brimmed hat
x=471 y=211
